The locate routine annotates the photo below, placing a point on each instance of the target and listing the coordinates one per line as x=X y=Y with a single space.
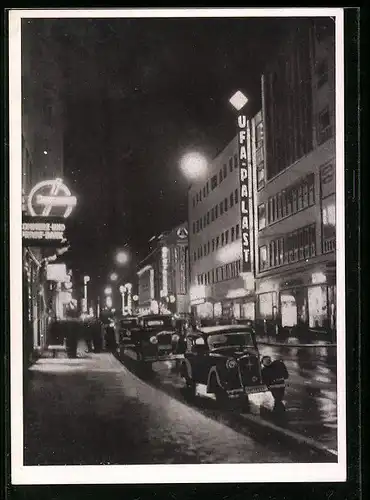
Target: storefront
x=303 y=304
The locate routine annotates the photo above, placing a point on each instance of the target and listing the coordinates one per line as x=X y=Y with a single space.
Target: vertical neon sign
x=243 y=143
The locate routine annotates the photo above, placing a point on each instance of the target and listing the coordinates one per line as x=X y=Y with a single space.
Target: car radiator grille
x=249 y=370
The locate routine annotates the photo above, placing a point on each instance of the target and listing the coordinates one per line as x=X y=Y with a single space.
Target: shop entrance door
x=289 y=313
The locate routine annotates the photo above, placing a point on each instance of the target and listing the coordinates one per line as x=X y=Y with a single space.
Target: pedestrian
x=88 y=335
x=71 y=339
x=110 y=336
x=274 y=375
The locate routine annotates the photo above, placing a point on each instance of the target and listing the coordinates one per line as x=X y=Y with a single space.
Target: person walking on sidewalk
x=274 y=375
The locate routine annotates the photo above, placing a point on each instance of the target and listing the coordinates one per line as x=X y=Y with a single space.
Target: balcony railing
x=329 y=245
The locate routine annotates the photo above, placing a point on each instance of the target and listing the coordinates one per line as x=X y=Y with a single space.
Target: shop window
x=324 y=127
x=262 y=258
x=236 y=195
x=225 y=205
x=237 y=231
x=214 y=182
x=261 y=216
x=317 y=306
x=248 y=311
x=231 y=200
x=328 y=224
x=265 y=305
x=225 y=170
x=217 y=310
x=288 y=308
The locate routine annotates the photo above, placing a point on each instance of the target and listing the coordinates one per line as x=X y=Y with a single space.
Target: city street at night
x=179 y=297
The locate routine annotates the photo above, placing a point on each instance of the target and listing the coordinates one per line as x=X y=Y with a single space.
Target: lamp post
x=122 y=290
x=86 y=280
x=113 y=277
x=128 y=287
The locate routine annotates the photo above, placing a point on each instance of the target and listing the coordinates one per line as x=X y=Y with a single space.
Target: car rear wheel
x=219 y=392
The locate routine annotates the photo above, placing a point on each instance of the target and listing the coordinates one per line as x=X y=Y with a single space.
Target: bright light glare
x=108 y=290
x=45 y=152
x=108 y=301
x=229 y=253
x=114 y=277
x=122 y=257
x=193 y=165
x=238 y=100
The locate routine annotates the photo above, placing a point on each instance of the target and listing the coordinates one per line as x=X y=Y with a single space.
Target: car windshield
x=229 y=339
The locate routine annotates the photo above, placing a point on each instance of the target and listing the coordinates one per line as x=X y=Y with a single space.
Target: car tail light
x=231 y=363
x=175 y=337
x=153 y=340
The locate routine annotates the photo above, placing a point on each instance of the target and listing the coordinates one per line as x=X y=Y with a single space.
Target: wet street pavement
x=93 y=410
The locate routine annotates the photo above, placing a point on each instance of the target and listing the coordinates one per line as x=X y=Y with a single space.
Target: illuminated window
x=265 y=305
x=328 y=224
x=317 y=306
x=261 y=216
x=262 y=258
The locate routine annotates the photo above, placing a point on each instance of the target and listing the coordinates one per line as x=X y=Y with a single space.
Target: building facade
x=42 y=159
x=295 y=240
x=163 y=275
x=218 y=287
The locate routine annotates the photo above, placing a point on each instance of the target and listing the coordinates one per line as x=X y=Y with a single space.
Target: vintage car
x=154 y=338
x=124 y=326
x=226 y=360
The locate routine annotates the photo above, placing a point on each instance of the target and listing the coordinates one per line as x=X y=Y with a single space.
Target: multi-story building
x=218 y=287
x=163 y=274
x=42 y=159
x=295 y=187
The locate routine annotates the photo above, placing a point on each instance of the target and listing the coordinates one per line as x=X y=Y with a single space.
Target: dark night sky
x=139 y=93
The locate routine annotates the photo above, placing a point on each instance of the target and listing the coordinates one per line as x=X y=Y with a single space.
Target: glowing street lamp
x=194 y=165
x=122 y=290
x=108 y=290
x=86 y=280
x=108 y=301
x=113 y=277
x=122 y=257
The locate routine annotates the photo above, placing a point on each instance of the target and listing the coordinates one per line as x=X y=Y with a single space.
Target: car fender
x=212 y=371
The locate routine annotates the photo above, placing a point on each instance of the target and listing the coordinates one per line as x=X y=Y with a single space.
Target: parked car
x=124 y=327
x=226 y=360
x=154 y=338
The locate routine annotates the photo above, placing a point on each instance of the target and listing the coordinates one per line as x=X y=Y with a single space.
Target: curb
x=298 y=438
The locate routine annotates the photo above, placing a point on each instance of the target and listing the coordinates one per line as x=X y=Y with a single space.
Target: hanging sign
x=51 y=197
x=182 y=233
x=43 y=231
x=244 y=194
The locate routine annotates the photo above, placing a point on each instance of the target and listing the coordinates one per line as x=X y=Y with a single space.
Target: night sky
x=137 y=95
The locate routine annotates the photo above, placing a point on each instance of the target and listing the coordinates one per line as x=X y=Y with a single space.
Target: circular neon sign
x=50 y=194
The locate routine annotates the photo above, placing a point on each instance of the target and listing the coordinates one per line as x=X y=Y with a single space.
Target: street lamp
x=122 y=257
x=238 y=100
x=113 y=277
x=122 y=290
x=193 y=165
x=86 y=280
x=108 y=290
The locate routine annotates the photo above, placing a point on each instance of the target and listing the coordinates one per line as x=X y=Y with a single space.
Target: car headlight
x=175 y=337
x=231 y=363
x=153 y=340
x=266 y=360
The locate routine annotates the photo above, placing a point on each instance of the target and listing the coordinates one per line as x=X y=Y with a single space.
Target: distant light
x=122 y=289
x=135 y=298
x=122 y=257
x=194 y=165
x=108 y=301
x=45 y=152
x=86 y=279
x=238 y=100
x=114 y=277
x=108 y=290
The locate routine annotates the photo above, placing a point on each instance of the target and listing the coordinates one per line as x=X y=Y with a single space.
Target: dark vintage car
x=154 y=338
x=226 y=360
x=124 y=326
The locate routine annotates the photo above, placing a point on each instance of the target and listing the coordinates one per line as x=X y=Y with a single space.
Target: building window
x=193 y=201
x=204 y=192
x=195 y=256
x=217 y=241
x=322 y=71
x=324 y=129
x=198 y=226
x=221 y=208
x=317 y=306
x=226 y=205
x=216 y=212
x=311 y=189
x=222 y=239
x=226 y=236
x=235 y=161
x=236 y=195
x=300 y=197
x=208 y=218
x=208 y=247
x=237 y=231
x=270 y=211
x=214 y=182
x=231 y=200
x=262 y=258
x=231 y=164
x=213 y=244
x=220 y=176
x=200 y=195
x=225 y=170
x=194 y=227
x=205 y=249
x=201 y=223
x=260 y=176
x=207 y=188
x=328 y=224
x=261 y=216
x=232 y=233
x=212 y=214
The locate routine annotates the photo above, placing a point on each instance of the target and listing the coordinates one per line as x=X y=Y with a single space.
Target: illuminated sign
x=182 y=233
x=243 y=141
x=51 y=195
x=43 y=231
x=56 y=272
x=164 y=291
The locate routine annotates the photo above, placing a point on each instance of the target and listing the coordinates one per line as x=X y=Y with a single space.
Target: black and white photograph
x=177 y=245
